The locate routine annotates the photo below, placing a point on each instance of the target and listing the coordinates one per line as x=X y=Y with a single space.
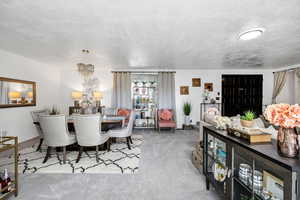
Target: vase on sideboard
x=287 y=142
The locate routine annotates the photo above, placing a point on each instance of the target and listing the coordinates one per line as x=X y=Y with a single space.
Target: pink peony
x=283 y=115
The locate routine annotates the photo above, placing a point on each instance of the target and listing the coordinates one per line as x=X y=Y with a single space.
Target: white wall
x=184 y=78
x=17 y=121
x=72 y=81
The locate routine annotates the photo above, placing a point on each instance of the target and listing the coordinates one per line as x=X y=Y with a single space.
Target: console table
x=281 y=175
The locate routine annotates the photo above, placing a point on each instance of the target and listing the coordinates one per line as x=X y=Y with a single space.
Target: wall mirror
x=17 y=93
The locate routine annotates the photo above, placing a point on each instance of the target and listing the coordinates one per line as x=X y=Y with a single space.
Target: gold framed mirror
x=17 y=93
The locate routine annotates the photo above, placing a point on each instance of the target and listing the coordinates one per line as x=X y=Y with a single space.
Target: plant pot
x=287 y=142
x=187 y=120
x=247 y=123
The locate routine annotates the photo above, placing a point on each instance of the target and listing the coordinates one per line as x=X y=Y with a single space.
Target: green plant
x=249 y=116
x=187 y=108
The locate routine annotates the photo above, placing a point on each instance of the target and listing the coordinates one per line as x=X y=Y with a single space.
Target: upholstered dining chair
x=166 y=119
x=109 y=111
x=36 y=121
x=56 y=133
x=124 y=132
x=88 y=132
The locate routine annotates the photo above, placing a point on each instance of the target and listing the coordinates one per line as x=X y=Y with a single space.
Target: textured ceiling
x=178 y=34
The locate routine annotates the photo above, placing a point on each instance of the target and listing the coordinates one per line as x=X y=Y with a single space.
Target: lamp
x=76 y=96
x=98 y=96
x=14 y=95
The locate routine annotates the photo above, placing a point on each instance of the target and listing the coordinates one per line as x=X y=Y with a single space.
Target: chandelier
x=85 y=70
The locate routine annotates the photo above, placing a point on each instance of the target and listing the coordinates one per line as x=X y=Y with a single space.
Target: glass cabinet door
x=256 y=178
x=216 y=164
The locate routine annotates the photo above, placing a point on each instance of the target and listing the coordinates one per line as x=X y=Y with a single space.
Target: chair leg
x=128 y=143
x=64 y=154
x=174 y=129
x=108 y=143
x=79 y=154
x=159 y=129
x=130 y=139
x=97 y=153
x=47 y=154
x=40 y=144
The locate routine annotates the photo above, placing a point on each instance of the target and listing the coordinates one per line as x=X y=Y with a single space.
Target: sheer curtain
x=278 y=84
x=166 y=90
x=121 y=96
x=4 y=90
x=297 y=85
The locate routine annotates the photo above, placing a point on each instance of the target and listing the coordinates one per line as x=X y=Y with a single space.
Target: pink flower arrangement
x=284 y=115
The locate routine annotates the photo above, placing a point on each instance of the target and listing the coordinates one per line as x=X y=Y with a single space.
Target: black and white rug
x=120 y=160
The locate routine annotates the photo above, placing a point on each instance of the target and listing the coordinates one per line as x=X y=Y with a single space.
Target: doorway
x=241 y=93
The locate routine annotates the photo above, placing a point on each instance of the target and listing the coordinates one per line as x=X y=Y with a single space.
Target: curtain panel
x=166 y=91
x=4 y=90
x=297 y=86
x=121 y=96
x=278 y=84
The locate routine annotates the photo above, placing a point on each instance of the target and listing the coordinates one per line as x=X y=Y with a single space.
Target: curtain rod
x=142 y=72
x=287 y=70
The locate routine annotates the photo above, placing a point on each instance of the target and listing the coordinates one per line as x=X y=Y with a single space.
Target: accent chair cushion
x=166 y=114
x=166 y=123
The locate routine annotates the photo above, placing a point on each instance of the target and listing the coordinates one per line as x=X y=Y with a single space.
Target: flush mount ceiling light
x=251 y=34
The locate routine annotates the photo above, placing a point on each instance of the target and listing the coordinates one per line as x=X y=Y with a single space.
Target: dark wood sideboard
x=261 y=157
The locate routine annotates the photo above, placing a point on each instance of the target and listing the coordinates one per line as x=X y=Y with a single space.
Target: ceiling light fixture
x=251 y=34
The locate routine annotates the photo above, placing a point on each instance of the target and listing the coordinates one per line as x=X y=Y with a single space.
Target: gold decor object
x=196 y=82
x=76 y=96
x=184 y=90
x=17 y=93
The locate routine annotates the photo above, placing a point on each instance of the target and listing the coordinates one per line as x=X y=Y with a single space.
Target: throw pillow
x=166 y=114
x=123 y=112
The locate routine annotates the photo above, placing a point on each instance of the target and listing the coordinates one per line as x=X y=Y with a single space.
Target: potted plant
x=247 y=119
x=187 y=108
x=287 y=117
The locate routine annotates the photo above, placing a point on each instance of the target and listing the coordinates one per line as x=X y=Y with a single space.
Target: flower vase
x=287 y=142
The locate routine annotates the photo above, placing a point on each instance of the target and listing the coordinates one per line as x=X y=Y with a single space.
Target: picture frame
x=184 y=90
x=196 y=82
x=209 y=87
x=273 y=184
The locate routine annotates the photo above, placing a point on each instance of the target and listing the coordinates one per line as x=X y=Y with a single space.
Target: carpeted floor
x=119 y=160
x=165 y=173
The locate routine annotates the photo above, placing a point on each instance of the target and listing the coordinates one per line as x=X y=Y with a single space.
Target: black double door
x=241 y=93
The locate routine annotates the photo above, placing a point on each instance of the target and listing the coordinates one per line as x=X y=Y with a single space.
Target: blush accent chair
x=36 y=121
x=88 y=132
x=124 y=132
x=56 y=134
x=165 y=122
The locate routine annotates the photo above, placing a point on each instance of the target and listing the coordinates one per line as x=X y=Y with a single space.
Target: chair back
x=88 y=129
x=109 y=111
x=35 y=118
x=130 y=123
x=55 y=130
x=35 y=114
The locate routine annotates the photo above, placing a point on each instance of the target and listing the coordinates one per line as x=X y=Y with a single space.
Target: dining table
x=107 y=122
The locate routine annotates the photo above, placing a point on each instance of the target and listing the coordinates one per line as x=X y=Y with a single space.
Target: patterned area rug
x=120 y=160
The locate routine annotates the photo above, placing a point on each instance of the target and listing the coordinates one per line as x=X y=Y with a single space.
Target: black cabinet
x=241 y=93
x=253 y=171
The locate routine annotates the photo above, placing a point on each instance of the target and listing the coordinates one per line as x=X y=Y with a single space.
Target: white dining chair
x=36 y=121
x=124 y=132
x=88 y=132
x=56 y=133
